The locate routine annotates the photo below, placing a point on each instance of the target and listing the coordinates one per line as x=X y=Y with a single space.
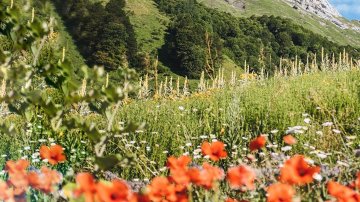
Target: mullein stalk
x=107 y=81
x=160 y=89
x=32 y=15
x=307 y=64
x=146 y=84
x=178 y=86
x=140 y=93
x=171 y=87
x=63 y=54
x=185 y=88
x=156 y=74
x=165 y=86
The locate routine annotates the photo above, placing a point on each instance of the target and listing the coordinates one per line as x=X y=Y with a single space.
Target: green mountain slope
x=198 y=36
x=149 y=24
x=279 y=8
x=179 y=36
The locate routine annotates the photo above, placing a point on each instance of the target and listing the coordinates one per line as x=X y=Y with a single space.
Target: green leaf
x=108 y=162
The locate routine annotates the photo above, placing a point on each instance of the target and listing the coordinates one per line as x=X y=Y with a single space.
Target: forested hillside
x=261 y=41
x=103 y=34
x=196 y=40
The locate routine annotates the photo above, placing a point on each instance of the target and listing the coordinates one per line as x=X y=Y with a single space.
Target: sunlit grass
x=235 y=115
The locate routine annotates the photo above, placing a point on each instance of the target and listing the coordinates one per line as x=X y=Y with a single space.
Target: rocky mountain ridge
x=321 y=8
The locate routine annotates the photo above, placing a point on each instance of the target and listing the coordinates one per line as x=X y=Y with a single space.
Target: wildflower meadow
x=72 y=134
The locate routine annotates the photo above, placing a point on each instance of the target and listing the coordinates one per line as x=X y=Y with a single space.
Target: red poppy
x=141 y=198
x=297 y=171
x=54 y=154
x=240 y=177
x=180 y=177
x=6 y=193
x=161 y=190
x=207 y=176
x=17 y=175
x=289 y=139
x=86 y=186
x=342 y=193
x=45 y=180
x=258 y=143
x=178 y=163
x=215 y=150
x=178 y=169
x=180 y=190
x=280 y=193
x=117 y=191
x=19 y=166
x=234 y=200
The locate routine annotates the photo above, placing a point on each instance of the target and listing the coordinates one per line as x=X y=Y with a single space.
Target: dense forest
x=261 y=41
x=196 y=40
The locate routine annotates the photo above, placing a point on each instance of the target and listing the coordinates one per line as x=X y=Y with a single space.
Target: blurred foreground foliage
x=46 y=98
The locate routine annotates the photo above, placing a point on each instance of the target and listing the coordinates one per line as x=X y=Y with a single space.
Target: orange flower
x=178 y=163
x=342 y=193
x=234 y=200
x=241 y=176
x=289 y=139
x=297 y=171
x=6 y=193
x=280 y=193
x=19 y=166
x=54 y=154
x=207 y=176
x=141 y=198
x=178 y=169
x=257 y=143
x=17 y=175
x=180 y=177
x=45 y=180
x=161 y=190
x=86 y=186
x=215 y=150
x=117 y=191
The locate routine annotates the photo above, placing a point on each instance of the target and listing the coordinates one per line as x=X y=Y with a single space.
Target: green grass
x=247 y=111
x=279 y=8
x=229 y=67
x=149 y=24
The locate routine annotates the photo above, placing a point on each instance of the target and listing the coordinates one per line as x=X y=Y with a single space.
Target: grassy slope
x=252 y=109
x=149 y=24
x=279 y=8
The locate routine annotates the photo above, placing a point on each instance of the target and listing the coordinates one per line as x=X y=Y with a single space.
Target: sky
x=348 y=8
